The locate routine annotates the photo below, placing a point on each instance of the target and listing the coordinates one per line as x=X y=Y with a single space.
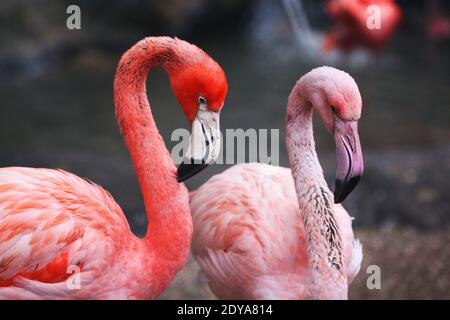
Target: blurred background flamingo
x=350 y=28
x=438 y=25
x=55 y=88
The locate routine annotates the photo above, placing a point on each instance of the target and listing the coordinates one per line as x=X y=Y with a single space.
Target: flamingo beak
x=350 y=165
x=204 y=145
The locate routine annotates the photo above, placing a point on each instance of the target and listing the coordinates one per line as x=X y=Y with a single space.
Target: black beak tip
x=188 y=170
x=344 y=188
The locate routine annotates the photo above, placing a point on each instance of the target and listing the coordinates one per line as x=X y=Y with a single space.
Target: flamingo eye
x=201 y=100
x=334 y=109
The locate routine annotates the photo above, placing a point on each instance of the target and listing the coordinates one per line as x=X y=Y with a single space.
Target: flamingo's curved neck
x=166 y=201
x=324 y=243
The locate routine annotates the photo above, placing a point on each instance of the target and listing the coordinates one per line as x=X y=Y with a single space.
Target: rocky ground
x=413 y=265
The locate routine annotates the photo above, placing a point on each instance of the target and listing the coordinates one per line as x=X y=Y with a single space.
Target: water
x=65 y=118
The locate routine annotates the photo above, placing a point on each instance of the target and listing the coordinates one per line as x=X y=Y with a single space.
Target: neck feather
x=166 y=201
x=324 y=242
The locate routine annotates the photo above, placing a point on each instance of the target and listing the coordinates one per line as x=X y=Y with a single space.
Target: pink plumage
x=249 y=239
x=266 y=232
x=63 y=237
x=51 y=219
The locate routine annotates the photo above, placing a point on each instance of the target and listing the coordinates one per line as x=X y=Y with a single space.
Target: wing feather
x=50 y=219
x=238 y=238
x=248 y=234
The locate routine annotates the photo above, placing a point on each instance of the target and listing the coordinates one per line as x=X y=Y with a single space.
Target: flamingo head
x=335 y=96
x=200 y=87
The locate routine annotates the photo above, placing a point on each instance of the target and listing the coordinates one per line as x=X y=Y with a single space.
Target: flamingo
x=56 y=227
x=267 y=232
x=437 y=25
x=350 y=29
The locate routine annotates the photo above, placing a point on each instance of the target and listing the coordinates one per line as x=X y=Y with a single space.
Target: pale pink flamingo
x=53 y=223
x=267 y=232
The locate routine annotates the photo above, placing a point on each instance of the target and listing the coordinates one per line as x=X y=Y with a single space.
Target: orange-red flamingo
x=437 y=25
x=53 y=223
x=350 y=28
x=267 y=232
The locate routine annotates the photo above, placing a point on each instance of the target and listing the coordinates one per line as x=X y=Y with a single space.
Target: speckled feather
x=249 y=239
x=39 y=239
